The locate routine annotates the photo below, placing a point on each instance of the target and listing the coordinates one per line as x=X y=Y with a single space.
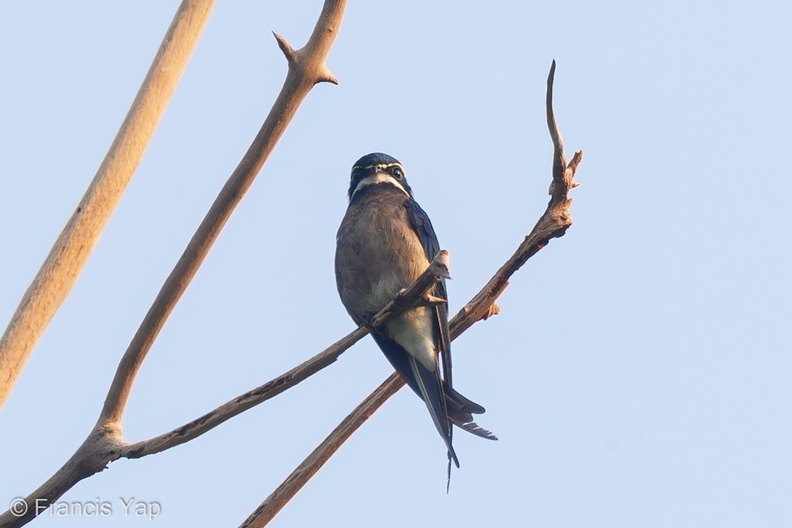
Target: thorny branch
x=105 y=442
x=552 y=224
x=306 y=68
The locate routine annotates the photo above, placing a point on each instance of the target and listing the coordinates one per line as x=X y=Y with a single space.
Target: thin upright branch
x=306 y=68
x=552 y=224
x=71 y=250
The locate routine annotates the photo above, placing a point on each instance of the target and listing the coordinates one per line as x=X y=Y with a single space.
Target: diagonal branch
x=552 y=224
x=104 y=443
x=268 y=509
x=71 y=250
x=411 y=296
x=99 y=450
x=306 y=68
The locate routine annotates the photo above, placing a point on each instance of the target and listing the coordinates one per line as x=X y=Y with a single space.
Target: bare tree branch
x=71 y=250
x=100 y=448
x=104 y=443
x=273 y=504
x=411 y=296
x=306 y=68
x=552 y=224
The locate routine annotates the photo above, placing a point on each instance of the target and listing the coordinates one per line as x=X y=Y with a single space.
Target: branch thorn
x=288 y=51
x=327 y=76
x=433 y=300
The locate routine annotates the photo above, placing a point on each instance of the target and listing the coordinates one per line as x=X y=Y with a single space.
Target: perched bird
x=384 y=243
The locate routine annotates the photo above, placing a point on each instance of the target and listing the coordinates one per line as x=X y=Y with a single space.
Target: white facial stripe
x=380 y=167
x=380 y=177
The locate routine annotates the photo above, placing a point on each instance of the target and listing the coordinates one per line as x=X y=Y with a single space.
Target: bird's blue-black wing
x=426 y=234
x=459 y=408
x=423 y=227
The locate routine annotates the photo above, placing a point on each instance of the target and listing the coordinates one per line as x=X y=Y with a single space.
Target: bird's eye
x=397 y=173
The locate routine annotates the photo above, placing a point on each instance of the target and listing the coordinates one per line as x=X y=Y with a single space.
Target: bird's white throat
x=380 y=177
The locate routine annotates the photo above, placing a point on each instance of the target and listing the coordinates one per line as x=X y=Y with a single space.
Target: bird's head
x=378 y=168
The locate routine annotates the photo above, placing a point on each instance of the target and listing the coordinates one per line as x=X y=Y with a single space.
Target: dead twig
x=96 y=453
x=268 y=509
x=306 y=68
x=552 y=224
x=105 y=442
x=411 y=296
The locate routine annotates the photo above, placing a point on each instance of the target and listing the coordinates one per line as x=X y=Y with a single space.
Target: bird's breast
x=378 y=252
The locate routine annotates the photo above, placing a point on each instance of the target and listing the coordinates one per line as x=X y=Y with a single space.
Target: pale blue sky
x=639 y=374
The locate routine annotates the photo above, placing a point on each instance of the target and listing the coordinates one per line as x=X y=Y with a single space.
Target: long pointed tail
x=461 y=411
x=431 y=388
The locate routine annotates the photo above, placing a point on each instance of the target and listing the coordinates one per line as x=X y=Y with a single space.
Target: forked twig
x=306 y=68
x=92 y=457
x=552 y=224
x=105 y=443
